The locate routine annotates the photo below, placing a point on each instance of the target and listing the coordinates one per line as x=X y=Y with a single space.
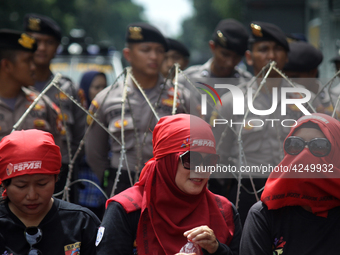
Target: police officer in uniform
x=302 y=68
x=48 y=36
x=145 y=51
x=177 y=53
x=261 y=141
x=228 y=46
x=16 y=74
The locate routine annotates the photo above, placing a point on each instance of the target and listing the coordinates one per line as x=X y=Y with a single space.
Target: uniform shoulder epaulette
x=192 y=69
x=243 y=73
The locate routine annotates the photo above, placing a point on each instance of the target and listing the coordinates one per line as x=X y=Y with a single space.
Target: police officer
x=177 y=53
x=302 y=68
x=228 y=46
x=303 y=62
x=261 y=138
x=16 y=74
x=48 y=36
x=145 y=52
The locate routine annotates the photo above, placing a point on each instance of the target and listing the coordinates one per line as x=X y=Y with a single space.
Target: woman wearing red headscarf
x=300 y=205
x=32 y=221
x=171 y=203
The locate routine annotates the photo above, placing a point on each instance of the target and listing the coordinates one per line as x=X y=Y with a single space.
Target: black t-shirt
x=66 y=229
x=290 y=230
x=119 y=233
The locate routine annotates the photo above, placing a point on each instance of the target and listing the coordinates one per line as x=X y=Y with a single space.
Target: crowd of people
x=150 y=144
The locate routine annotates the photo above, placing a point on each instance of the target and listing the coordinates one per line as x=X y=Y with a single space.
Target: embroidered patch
x=72 y=249
x=39 y=123
x=100 y=235
x=26 y=41
x=118 y=123
x=61 y=96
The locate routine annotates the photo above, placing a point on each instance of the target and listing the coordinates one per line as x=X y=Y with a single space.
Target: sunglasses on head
x=33 y=236
x=191 y=159
x=319 y=147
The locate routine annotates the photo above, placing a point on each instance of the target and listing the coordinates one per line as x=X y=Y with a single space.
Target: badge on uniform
x=100 y=235
x=135 y=33
x=39 y=107
x=61 y=96
x=256 y=30
x=221 y=38
x=39 y=123
x=118 y=123
x=26 y=41
x=34 y=24
x=72 y=249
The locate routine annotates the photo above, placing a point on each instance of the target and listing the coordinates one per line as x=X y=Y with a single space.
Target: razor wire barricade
x=241 y=154
x=140 y=144
x=125 y=100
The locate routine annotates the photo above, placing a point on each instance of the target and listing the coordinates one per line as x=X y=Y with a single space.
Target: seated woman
x=171 y=203
x=31 y=220
x=300 y=205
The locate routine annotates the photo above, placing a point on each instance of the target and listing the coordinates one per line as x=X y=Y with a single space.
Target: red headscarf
x=166 y=211
x=320 y=191
x=28 y=152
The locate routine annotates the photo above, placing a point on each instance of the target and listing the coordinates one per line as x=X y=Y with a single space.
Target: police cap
x=37 y=23
x=232 y=35
x=178 y=46
x=263 y=31
x=303 y=57
x=143 y=32
x=15 y=40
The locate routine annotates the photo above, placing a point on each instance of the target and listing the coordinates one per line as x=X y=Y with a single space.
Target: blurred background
x=98 y=26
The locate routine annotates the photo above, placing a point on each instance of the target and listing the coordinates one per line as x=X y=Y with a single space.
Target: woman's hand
x=204 y=237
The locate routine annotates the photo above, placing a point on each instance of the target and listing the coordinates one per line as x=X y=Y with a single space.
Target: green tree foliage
x=198 y=29
x=101 y=19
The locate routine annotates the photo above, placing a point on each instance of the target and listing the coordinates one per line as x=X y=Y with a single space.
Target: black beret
x=303 y=57
x=143 y=32
x=37 y=23
x=178 y=46
x=232 y=35
x=263 y=31
x=11 y=39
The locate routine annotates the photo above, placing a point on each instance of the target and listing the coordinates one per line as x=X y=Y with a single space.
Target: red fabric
x=166 y=211
x=320 y=191
x=28 y=152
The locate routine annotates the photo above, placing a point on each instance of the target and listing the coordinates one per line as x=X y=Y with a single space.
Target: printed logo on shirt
x=23 y=166
x=100 y=235
x=72 y=249
x=278 y=246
